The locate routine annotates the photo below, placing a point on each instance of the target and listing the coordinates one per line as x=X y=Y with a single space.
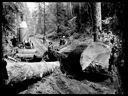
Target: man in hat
x=62 y=41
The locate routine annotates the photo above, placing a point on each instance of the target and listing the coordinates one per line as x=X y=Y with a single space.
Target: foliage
x=9 y=11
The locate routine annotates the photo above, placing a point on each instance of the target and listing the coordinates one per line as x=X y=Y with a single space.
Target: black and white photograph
x=63 y=48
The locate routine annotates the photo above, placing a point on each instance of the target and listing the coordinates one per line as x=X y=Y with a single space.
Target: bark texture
x=20 y=71
x=97 y=19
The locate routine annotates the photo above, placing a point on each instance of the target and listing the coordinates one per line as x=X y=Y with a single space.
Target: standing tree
x=69 y=9
x=39 y=24
x=44 y=18
x=97 y=19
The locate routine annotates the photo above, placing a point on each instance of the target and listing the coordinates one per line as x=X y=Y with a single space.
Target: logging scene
x=62 y=48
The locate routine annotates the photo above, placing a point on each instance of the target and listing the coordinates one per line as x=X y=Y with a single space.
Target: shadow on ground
x=18 y=87
x=95 y=77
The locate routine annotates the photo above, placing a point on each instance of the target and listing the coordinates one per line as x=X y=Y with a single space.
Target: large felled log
x=75 y=59
x=20 y=71
x=97 y=52
x=70 y=63
x=80 y=57
x=69 y=58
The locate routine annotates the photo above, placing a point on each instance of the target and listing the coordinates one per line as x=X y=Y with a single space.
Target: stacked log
x=30 y=55
x=27 y=51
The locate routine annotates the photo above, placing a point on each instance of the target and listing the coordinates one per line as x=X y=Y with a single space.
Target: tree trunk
x=70 y=7
x=44 y=19
x=97 y=20
x=39 y=24
x=20 y=71
x=123 y=57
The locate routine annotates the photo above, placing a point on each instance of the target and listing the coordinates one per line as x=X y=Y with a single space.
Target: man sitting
x=62 y=41
x=50 y=46
x=50 y=54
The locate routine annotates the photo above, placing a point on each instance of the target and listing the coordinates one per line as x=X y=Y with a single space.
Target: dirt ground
x=58 y=83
